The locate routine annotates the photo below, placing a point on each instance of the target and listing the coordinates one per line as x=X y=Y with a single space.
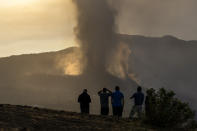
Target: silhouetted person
x=84 y=100
x=149 y=103
x=104 y=100
x=117 y=102
x=138 y=100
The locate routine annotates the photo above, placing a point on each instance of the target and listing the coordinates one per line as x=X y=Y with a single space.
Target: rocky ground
x=25 y=118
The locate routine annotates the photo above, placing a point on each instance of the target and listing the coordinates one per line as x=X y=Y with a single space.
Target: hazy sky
x=30 y=26
x=159 y=17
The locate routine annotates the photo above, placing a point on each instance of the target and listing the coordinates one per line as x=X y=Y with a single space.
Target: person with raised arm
x=104 y=100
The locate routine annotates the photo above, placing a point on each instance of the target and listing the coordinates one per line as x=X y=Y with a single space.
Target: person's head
x=104 y=90
x=85 y=90
x=117 y=88
x=139 y=88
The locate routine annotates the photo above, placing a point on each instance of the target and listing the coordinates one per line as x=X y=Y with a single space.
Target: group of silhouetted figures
x=117 y=100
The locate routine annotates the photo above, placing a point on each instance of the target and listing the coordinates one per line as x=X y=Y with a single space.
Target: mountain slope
x=165 y=62
x=25 y=118
x=37 y=79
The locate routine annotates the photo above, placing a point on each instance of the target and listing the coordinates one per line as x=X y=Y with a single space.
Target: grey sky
x=159 y=17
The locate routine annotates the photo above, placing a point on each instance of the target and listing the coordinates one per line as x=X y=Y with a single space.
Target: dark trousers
x=117 y=111
x=104 y=110
x=85 y=108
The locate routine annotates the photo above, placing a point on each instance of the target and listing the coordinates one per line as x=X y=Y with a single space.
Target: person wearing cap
x=104 y=100
x=84 y=100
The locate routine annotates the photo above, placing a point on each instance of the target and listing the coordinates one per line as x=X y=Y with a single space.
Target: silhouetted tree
x=164 y=110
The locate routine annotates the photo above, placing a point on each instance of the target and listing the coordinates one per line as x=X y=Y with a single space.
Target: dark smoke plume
x=95 y=32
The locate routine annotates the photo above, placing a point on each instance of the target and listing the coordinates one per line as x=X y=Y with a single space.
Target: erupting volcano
x=102 y=57
x=102 y=54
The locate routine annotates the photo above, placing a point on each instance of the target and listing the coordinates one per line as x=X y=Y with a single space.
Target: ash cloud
x=95 y=32
x=40 y=76
x=56 y=80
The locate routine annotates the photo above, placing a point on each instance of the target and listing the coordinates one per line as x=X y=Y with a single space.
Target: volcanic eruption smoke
x=95 y=32
x=105 y=55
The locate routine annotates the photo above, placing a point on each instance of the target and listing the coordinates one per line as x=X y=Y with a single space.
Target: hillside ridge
x=27 y=118
x=121 y=36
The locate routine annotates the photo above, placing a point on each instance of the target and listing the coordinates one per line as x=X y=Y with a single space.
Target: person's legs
x=87 y=109
x=132 y=113
x=115 y=111
x=120 y=110
x=82 y=108
x=101 y=111
x=139 y=111
x=107 y=111
x=104 y=110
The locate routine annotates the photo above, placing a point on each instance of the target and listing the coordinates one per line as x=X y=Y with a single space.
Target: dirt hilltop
x=26 y=118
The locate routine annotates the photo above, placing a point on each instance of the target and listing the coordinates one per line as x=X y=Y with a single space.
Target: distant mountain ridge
x=35 y=79
x=165 y=62
x=122 y=37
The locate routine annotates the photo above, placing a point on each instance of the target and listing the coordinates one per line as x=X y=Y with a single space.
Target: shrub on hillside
x=164 y=110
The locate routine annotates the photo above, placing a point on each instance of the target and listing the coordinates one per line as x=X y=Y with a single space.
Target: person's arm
x=123 y=101
x=143 y=99
x=132 y=96
x=109 y=91
x=89 y=99
x=100 y=92
x=146 y=100
x=79 y=99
